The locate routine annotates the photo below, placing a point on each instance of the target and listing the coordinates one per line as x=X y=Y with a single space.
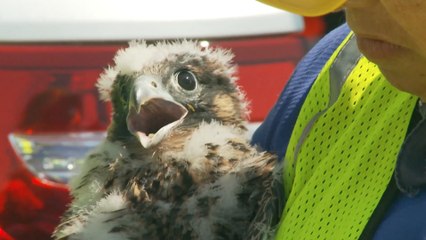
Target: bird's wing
x=88 y=188
x=266 y=220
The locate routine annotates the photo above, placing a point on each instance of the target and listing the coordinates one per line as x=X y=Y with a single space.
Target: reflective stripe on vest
x=343 y=149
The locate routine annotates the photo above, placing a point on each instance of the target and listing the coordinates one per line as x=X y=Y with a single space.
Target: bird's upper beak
x=152 y=111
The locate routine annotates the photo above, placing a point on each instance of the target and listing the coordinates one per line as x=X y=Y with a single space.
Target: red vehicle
x=51 y=54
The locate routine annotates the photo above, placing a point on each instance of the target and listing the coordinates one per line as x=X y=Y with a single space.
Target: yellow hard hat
x=306 y=7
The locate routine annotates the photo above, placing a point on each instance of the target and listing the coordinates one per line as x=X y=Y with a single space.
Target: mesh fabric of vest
x=348 y=157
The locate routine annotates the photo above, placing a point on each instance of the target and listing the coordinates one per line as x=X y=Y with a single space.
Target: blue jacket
x=399 y=215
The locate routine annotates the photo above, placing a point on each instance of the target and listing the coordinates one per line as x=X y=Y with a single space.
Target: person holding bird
x=350 y=126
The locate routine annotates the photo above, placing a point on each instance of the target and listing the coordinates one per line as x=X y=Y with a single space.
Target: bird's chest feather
x=205 y=184
x=198 y=191
x=177 y=202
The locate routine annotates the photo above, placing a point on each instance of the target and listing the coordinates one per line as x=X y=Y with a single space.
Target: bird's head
x=159 y=87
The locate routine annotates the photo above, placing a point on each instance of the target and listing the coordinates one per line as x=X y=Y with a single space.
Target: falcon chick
x=176 y=162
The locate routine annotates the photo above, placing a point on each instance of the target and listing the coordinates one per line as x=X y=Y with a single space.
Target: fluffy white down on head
x=140 y=55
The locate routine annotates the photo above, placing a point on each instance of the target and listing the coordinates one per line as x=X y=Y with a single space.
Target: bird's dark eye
x=186 y=80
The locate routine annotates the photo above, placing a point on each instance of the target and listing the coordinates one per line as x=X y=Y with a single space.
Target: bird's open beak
x=152 y=111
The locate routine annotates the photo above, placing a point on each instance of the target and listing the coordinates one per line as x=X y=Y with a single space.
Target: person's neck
x=413 y=82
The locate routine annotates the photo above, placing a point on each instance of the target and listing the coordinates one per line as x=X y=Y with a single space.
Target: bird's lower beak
x=152 y=111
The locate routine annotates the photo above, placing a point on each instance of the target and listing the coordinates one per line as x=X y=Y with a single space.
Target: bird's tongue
x=154 y=120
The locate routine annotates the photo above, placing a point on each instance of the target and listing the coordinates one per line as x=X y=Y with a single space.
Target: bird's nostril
x=154 y=84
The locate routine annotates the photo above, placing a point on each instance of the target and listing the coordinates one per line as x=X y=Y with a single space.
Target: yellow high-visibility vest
x=343 y=149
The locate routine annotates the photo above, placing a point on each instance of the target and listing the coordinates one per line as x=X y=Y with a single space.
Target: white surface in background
x=74 y=20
